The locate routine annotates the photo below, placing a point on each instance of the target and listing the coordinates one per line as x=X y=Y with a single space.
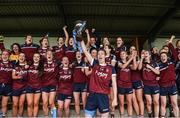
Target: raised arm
x=155 y=70
x=88 y=55
x=171 y=48
x=141 y=62
x=113 y=61
x=88 y=38
x=134 y=65
x=66 y=35
x=123 y=66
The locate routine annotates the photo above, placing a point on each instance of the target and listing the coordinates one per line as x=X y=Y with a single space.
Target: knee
x=148 y=103
x=121 y=104
x=4 y=104
x=163 y=104
x=51 y=104
x=129 y=101
x=45 y=104
x=60 y=108
x=77 y=103
x=66 y=107
x=156 y=102
x=36 y=104
x=139 y=99
x=15 y=105
x=21 y=103
x=174 y=104
x=30 y=105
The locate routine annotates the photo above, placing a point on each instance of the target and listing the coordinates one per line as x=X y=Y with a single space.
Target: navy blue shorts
x=79 y=87
x=48 y=89
x=63 y=97
x=97 y=101
x=137 y=85
x=32 y=90
x=125 y=90
x=18 y=92
x=5 y=89
x=151 y=89
x=172 y=90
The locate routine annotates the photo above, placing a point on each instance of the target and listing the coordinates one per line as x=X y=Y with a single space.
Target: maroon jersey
x=2 y=46
x=71 y=54
x=167 y=70
x=78 y=75
x=59 y=52
x=50 y=74
x=178 y=51
x=118 y=50
x=149 y=77
x=22 y=82
x=34 y=80
x=136 y=75
x=167 y=74
x=42 y=52
x=100 y=78
x=109 y=59
x=124 y=77
x=5 y=72
x=29 y=51
x=65 y=83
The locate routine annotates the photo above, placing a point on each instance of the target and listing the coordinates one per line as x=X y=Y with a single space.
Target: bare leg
x=36 y=104
x=45 y=97
x=77 y=103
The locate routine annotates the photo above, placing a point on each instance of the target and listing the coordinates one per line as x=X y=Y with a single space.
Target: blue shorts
x=5 y=89
x=48 y=89
x=63 y=97
x=32 y=90
x=172 y=90
x=97 y=101
x=79 y=87
x=151 y=89
x=137 y=85
x=125 y=90
x=18 y=92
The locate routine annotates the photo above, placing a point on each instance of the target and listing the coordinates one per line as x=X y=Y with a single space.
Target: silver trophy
x=77 y=34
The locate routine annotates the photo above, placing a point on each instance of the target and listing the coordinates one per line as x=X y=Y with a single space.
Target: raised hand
x=87 y=31
x=65 y=27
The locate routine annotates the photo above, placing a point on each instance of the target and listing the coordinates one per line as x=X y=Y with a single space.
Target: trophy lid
x=79 y=23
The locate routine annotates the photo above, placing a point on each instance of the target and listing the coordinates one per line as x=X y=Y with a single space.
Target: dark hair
x=177 y=42
x=165 y=46
x=93 y=48
x=41 y=68
x=41 y=40
x=60 y=37
x=152 y=48
x=93 y=36
x=17 y=45
x=27 y=36
x=163 y=53
x=101 y=49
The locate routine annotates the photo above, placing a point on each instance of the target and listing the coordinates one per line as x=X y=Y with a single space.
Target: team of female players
x=102 y=75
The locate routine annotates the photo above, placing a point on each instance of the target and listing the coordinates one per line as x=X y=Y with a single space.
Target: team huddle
x=100 y=78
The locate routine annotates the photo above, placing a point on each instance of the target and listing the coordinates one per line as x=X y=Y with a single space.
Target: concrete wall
x=159 y=42
x=8 y=41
